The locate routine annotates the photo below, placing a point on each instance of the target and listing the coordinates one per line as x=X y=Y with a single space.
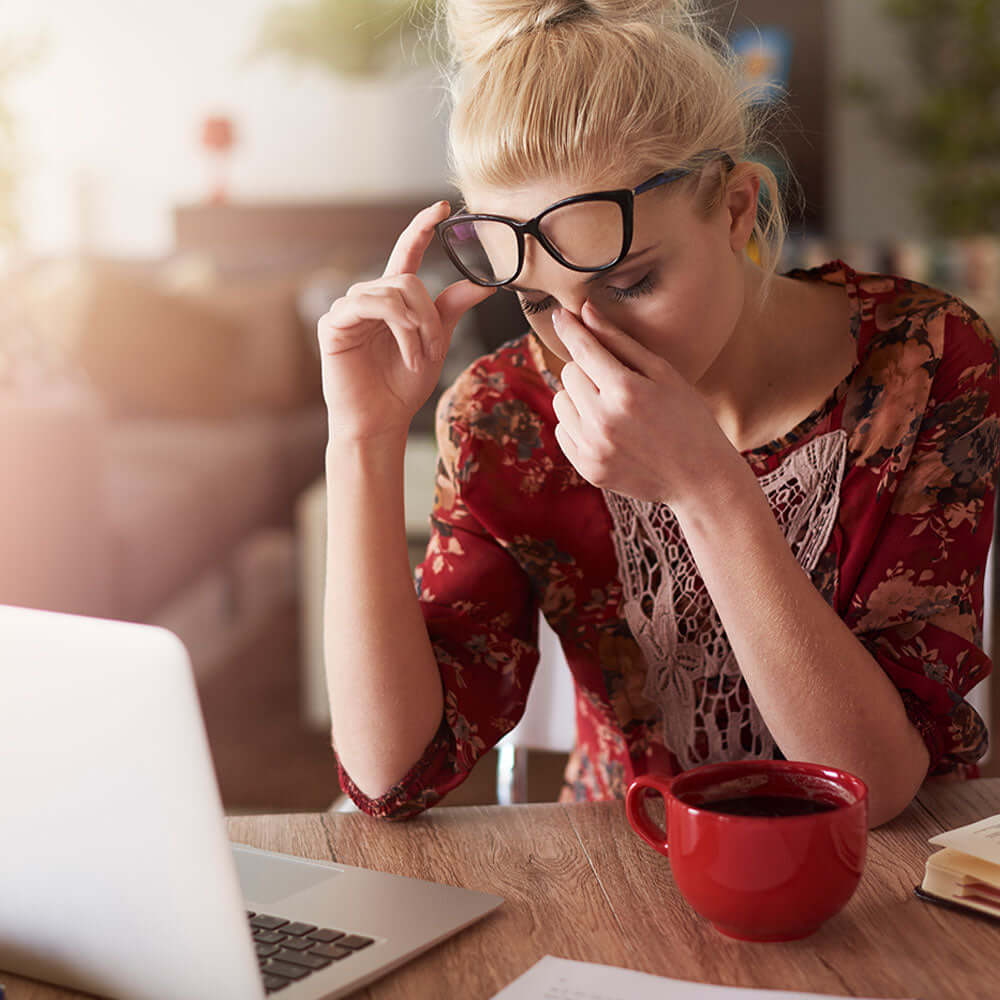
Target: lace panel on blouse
x=704 y=707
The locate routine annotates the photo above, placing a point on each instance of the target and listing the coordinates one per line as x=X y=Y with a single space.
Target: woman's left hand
x=630 y=423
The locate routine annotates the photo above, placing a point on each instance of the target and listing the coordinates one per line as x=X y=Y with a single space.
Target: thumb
x=457 y=299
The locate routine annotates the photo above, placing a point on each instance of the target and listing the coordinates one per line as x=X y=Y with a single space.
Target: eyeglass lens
x=588 y=234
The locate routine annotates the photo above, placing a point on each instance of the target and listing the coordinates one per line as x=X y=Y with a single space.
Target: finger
x=567 y=414
x=598 y=363
x=575 y=381
x=398 y=307
x=401 y=294
x=626 y=349
x=414 y=240
x=454 y=302
x=417 y=301
x=437 y=318
x=348 y=312
x=565 y=441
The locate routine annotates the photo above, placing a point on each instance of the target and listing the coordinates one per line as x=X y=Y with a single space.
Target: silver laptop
x=116 y=873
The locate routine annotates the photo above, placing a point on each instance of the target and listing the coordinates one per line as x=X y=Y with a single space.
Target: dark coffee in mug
x=768 y=805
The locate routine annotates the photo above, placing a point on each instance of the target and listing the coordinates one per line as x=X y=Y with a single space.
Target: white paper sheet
x=981 y=839
x=553 y=978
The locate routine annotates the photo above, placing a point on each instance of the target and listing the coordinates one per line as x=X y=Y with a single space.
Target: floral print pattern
x=515 y=529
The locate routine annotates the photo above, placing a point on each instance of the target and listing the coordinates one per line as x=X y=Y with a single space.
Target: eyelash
x=641 y=287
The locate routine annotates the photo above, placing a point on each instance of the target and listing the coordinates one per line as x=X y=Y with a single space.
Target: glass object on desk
x=548 y=723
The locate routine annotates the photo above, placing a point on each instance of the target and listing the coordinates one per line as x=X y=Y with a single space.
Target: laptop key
x=275 y=967
x=264 y=950
x=268 y=937
x=305 y=958
x=297 y=928
x=273 y=983
x=297 y=943
x=325 y=934
x=266 y=922
x=355 y=942
x=333 y=951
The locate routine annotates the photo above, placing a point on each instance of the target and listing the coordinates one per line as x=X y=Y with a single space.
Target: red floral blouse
x=885 y=493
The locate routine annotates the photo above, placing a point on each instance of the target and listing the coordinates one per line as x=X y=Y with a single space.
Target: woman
x=755 y=507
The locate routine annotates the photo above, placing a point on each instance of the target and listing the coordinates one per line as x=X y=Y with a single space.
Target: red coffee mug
x=759 y=877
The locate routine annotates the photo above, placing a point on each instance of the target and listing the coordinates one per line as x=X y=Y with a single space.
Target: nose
x=563 y=284
x=573 y=302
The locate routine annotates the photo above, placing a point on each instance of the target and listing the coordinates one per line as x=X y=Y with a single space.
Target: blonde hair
x=600 y=89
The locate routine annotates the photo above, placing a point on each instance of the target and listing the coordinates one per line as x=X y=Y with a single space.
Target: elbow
x=884 y=809
x=889 y=794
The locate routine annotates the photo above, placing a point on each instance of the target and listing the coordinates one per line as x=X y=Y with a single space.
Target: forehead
x=528 y=200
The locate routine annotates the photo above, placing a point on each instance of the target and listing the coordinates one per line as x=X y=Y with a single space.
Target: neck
x=744 y=371
x=783 y=358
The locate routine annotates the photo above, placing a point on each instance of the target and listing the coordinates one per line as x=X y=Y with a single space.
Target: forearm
x=823 y=697
x=385 y=689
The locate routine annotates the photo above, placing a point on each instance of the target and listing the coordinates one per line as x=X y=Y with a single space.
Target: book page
x=961 y=866
x=553 y=978
x=981 y=839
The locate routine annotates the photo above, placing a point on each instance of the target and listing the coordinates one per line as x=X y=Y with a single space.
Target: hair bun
x=477 y=27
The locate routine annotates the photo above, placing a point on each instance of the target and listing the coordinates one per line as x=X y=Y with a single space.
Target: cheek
x=662 y=323
x=686 y=328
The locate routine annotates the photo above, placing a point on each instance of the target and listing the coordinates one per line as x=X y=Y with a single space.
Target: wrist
x=731 y=492
x=385 y=450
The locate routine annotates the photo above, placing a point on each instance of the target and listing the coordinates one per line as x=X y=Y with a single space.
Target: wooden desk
x=579 y=884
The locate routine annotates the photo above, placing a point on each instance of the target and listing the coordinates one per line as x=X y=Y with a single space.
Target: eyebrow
x=600 y=274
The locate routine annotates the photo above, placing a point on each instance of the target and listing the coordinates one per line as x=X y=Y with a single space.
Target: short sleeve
x=918 y=606
x=482 y=619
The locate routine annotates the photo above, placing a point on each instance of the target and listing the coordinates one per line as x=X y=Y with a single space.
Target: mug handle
x=636 y=795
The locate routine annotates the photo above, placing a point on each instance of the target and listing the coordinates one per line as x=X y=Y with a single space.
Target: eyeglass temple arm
x=677 y=172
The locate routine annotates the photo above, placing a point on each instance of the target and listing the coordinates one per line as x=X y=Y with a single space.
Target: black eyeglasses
x=587 y=232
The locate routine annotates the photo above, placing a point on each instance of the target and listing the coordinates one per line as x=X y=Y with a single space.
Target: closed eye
x=642 y=287
x=533 y=308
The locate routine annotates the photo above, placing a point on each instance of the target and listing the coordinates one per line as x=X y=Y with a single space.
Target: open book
x=966 y=871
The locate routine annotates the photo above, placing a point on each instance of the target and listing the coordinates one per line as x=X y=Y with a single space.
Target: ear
x=742 y=191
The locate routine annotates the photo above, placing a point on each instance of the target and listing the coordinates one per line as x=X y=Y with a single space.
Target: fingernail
x=557 y=319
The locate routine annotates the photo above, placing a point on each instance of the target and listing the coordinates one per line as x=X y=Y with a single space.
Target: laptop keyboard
x=288 y=951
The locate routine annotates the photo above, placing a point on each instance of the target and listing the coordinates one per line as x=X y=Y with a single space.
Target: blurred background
x=185 y=188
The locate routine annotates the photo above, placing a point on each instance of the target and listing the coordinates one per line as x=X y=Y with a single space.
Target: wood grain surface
x=579 y=884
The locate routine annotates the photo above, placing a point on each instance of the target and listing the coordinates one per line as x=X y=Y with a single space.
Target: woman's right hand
x=383 y=343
